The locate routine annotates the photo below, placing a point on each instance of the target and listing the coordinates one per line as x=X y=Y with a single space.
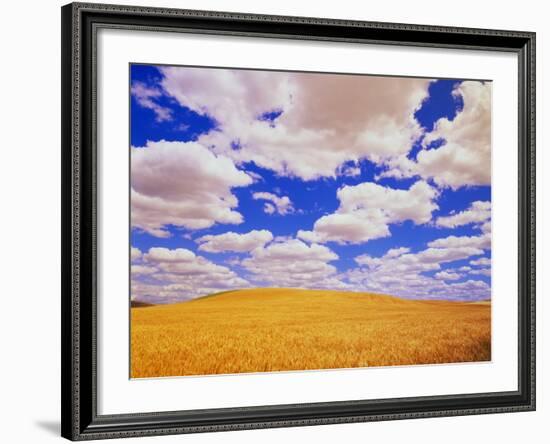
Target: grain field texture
x=265 y=330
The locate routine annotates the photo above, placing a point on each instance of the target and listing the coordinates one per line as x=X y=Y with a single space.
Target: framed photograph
x=281 y=221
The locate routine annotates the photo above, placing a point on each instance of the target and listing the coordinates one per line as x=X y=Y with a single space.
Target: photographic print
x=291 y=221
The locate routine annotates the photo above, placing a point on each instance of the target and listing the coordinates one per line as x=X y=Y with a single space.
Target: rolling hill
x=266 y=329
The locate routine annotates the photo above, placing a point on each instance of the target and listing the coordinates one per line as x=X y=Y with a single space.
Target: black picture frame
x=80 y=420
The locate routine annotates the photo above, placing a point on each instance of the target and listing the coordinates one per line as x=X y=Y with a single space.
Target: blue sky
x=246 y=178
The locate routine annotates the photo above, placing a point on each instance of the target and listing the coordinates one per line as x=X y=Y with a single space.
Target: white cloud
x=414 y=204
x=181 y=261
x=469 y=290
x=483 y=271
x=354 y=227
x=482 y=241
x=440 y=255
x=282 y=205
x=325 y=121
x=135 y=253
x=231 y=241
x=293 y=263
x=180 y=274
x=142 y=269
x=182 y=184
x=163 y=255
x=327 y=124
x=369 y=261
x=282 y=238
x=350 y=171
x=396 y=252
x=367 y=209
x=145 y=292
x=269 y=208
x=486 y=227
x=481 y=261
x=257 y=177
x=294 y=249
x=447 y=276
x=425 y=260
x=392 y=253
x=478 y=212
x=145 y=97
x=404 y=275
x=234 y=261
x=464 y=159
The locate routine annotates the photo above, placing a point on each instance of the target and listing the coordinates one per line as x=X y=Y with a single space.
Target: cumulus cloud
x=407 y=274
x=426 y=260
x=481 y=261
x=282 y=238
x=292 y=263
x=392 y=253
x=441 y=255
x=135 y=253
x=164 y=255
x=257 y=177
x=182 y=184
x=414 y=204
x=486 y=227
x=145 y=97
x=447 y=276
x=325 y=120
x=350 y=170
x=269 y=208
x=478 y=212
x=231 y=241
x=403 y=273
x=354 y=227
x=321 y=126
x=367 y=209
x=396 y=252
x=178 y=274
x=464 y=158
x=280 y=204
x=482 y=241
x=142 y=269
x=482 y=271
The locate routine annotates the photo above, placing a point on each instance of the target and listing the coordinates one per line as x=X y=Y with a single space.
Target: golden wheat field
x=263 y=330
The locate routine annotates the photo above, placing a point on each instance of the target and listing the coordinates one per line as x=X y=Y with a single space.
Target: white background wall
x=30 y=221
